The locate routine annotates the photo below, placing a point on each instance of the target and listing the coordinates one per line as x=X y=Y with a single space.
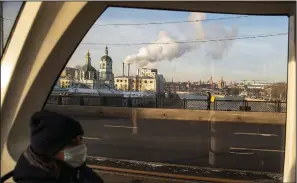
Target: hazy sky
x=251 y=59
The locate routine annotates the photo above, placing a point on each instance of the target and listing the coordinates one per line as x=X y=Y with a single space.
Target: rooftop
x=141 y=77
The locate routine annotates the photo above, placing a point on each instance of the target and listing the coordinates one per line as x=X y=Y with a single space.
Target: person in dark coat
x=208 y=100
x=56 y=153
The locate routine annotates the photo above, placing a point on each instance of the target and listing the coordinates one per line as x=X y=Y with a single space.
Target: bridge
x=169 y=141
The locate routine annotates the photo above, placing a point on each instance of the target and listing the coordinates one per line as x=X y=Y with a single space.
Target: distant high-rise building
x=221 y=83
x=211 y=82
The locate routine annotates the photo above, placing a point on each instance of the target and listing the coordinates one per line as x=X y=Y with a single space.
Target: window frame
x=17 y=114
x=5 y=45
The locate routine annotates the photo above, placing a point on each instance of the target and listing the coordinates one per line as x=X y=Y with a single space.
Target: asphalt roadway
x=250 y=147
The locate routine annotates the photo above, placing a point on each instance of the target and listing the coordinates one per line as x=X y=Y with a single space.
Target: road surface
x=251 y=147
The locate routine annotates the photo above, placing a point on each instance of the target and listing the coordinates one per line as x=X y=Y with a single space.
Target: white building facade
x=106 y=75
x=147 y=80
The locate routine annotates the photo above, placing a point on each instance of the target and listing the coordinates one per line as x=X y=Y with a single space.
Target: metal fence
x=88 y=100
x=259 y=106
x=196 y=104
x=158 y=102
x=229 y=105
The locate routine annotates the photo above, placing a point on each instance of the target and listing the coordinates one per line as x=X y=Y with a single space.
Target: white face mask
x=75 y=156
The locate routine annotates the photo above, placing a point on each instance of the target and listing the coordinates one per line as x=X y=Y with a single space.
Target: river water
x=198 y=97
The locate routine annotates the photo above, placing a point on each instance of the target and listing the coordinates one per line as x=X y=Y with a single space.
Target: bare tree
x=79 y=67
x=279 y=91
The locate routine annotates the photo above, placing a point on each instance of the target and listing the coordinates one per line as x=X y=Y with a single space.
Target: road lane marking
x=112 y=126
x=242 y=153
x=264 y=150
x=92 y=138
x=256 y=134
x=241 y=115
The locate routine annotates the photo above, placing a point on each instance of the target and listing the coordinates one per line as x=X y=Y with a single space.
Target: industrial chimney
x=129 y=69
x=123 y=69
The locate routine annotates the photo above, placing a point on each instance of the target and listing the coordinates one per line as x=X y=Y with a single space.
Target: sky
x=263 y=59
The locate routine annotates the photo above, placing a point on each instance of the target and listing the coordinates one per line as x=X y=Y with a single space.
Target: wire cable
x=159 y=23
x=190 y=41
x=173 y=22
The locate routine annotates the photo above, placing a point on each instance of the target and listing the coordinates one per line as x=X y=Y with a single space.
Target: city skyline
x=215 y=80
x=248 y=59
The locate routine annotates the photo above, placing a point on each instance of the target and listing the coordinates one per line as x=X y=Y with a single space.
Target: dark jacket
x=24 y=172
x=208 y=98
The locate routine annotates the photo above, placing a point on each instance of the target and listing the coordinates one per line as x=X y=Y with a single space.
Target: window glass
x=10 y=13
x=234 y=66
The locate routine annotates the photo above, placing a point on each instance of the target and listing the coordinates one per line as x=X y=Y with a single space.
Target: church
x=106 y=74
x=87 y=75
x=93 y=78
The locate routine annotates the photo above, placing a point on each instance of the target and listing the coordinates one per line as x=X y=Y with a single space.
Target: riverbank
x=217 y=97
x=252 y=99
x=202 y=97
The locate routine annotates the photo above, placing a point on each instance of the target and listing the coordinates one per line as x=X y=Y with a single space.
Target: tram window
x=10 y=12
x=183 y=64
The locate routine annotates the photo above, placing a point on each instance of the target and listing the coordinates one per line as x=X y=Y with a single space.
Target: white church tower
x=106 y=74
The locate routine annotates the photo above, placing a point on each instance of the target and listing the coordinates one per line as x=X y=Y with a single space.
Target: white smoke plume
x=198 y=32
x=160 y=52
x=216 y=50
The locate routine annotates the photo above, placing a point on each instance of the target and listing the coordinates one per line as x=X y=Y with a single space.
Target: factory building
x=145 y=80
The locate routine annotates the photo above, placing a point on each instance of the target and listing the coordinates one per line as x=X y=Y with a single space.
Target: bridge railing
x=160 y=102
x=112 y=101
